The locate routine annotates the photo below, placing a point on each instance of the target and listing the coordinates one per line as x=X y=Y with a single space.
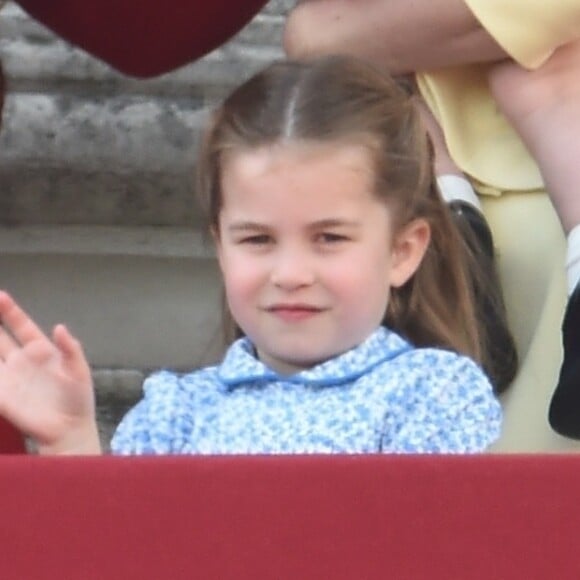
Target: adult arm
x=401 y=35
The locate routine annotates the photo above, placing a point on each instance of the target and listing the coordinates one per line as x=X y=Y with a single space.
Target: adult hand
x=543 y=106
x=45 y=384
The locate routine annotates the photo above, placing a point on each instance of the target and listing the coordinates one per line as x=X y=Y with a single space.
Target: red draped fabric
x=291 y=518
x=144 y=38
x=11 y=440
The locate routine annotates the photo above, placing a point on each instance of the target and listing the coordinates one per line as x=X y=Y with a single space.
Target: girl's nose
x=292 y=269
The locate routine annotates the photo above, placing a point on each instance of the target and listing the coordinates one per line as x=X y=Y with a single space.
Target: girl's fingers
x=7 y=343
x=70 y=349
x=20 y=325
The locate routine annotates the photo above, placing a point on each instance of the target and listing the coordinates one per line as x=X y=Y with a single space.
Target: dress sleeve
x=451 y=408
x=529 y=30
x=160 y=423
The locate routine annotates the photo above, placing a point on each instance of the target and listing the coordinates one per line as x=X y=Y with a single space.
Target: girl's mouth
x=294 y=312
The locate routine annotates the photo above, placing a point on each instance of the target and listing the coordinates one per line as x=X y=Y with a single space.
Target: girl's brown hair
x=339 y=99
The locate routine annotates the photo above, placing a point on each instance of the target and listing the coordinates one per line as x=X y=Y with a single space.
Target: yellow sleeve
x=529 y=30
x=479 y=139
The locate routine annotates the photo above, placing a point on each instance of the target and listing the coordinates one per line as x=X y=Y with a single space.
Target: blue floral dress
x=384 y=396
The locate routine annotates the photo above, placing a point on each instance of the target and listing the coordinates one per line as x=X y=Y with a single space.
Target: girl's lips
x=293 y=313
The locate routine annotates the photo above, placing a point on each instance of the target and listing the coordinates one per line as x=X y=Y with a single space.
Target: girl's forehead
x=298 y=180
x=256 y=161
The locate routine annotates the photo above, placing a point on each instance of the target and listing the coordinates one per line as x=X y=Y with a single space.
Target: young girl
x=343 y=273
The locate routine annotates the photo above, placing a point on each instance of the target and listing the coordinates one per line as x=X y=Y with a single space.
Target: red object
x=307 y=517
x=11 y=440
x=144 y=38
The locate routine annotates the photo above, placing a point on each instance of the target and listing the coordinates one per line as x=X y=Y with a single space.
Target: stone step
x=116 y=392
x=126 y=160
x=152 y=242
x=138 y=298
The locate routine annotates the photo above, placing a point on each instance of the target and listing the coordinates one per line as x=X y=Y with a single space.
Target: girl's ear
x=409 y=247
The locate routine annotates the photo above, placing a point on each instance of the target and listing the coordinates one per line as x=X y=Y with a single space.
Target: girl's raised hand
x=45 y=385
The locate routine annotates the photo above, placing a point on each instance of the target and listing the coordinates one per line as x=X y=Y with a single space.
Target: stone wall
x=98 y=224
x=83 y=144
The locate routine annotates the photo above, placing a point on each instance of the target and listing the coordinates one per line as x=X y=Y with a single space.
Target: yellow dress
x=528 y=236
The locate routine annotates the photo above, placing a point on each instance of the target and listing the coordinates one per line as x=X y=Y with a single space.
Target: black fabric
x=490 y=306
x=564 y=414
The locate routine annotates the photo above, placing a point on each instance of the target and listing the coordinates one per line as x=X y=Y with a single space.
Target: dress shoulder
x=446 y=406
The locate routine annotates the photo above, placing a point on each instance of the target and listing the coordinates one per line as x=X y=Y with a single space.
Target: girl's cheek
x=241 y=279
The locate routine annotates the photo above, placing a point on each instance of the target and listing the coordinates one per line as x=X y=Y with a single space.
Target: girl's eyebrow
x=245 y=226
x=333 y=223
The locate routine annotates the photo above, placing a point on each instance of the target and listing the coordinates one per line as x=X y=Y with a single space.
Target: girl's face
x=307 y=250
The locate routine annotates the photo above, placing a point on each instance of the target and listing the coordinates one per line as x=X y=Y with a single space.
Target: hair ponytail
x=436 y=306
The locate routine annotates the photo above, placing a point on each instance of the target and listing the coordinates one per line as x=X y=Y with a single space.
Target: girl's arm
x=45 y=384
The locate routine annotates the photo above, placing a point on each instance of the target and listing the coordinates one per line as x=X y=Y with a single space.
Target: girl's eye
x=331 y=238
x=257 y=240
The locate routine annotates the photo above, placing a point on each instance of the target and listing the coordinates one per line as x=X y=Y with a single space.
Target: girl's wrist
x=83 y=440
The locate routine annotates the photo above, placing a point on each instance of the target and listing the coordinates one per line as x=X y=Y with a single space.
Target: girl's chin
x=286 y=363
